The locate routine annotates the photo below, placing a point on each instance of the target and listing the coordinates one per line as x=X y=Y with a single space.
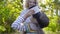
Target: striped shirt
x=17 y=24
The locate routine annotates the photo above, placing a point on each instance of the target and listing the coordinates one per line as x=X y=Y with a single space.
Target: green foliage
x=51 y=5
x=53 y=24
x=9 y=11
x=2 y=28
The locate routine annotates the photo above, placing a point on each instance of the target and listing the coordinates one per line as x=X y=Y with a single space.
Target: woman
x=25 y=22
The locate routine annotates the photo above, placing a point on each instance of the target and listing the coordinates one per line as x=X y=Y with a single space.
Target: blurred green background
x=11 y=9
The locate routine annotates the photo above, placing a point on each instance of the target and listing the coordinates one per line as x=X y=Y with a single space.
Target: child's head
x=29 y=3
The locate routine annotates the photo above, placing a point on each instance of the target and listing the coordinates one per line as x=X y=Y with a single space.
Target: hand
x=30 y=12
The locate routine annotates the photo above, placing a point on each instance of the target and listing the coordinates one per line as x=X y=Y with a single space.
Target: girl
x=25 y=22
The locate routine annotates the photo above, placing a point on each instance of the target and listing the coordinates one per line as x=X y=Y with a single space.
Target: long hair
x=26 y=3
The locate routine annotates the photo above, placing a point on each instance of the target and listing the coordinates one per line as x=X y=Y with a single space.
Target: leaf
x=2 y=28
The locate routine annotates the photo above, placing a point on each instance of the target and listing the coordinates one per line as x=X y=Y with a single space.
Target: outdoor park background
x=11 y=9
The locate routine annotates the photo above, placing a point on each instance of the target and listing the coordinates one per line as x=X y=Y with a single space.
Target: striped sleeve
x=17 y=23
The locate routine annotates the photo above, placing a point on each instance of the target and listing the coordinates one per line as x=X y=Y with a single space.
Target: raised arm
x=17 y=23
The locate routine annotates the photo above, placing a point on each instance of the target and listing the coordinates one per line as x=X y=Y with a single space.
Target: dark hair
x=42 y=19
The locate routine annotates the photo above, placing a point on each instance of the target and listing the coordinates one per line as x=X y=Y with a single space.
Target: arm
x=17 y=23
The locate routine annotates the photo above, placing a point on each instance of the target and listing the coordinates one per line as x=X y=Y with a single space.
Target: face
x=32 y=3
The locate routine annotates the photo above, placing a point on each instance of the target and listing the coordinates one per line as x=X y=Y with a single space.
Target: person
x=26 y=22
